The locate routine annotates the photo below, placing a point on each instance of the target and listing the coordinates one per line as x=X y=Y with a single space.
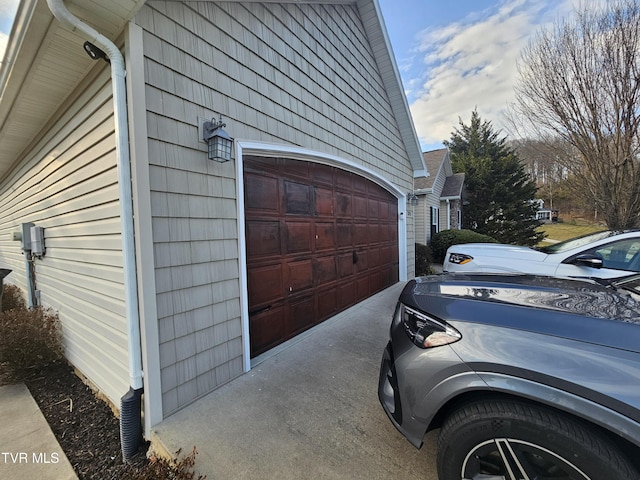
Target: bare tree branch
x=580 y=82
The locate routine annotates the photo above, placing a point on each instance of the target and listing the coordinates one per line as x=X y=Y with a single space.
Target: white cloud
x=472 y=64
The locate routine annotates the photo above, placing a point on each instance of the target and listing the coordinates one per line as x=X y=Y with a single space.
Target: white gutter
x=69 y=21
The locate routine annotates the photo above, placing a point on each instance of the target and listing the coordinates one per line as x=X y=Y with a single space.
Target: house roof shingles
x=453 y=186
x=432 y=159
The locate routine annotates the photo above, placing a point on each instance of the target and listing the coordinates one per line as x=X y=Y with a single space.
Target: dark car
x=527 y=377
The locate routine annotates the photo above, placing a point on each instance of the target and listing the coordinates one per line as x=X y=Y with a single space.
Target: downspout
x=130 y=403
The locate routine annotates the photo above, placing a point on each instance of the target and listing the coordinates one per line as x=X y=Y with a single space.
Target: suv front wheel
x=511 y=440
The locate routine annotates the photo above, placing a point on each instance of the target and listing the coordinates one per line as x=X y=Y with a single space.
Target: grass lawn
x=565 y=231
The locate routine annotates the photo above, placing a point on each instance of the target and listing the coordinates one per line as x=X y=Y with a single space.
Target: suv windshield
x=631 y=283
x=576 y=242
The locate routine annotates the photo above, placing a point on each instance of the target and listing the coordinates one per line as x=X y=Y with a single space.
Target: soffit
x=43 y=64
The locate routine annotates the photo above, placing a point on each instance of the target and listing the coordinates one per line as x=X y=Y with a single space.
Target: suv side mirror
x=588 y=260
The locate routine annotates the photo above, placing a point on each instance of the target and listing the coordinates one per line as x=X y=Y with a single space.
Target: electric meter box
x=37 y=241
x=25 y=235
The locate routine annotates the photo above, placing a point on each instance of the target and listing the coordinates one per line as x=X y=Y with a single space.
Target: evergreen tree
x=499 y=193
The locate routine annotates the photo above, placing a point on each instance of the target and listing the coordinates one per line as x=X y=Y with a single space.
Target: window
x=435 y=214
x=620 y=255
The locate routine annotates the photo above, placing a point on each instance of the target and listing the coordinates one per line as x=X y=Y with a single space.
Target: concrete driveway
x=308 y=410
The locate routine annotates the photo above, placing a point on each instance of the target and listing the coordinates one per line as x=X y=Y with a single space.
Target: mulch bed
x=84 y=425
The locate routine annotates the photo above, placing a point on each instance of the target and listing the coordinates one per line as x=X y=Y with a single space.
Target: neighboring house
x=173 y=281
x=439 y=197
x=545 y=215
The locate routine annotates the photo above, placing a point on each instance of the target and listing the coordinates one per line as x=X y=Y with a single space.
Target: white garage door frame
x=261 y=149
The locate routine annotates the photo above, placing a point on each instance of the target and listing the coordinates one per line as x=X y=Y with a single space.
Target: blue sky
x=453 y=55
x=458 y=55
x=7 y=11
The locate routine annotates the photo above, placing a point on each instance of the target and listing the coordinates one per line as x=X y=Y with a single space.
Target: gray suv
x=527 y=377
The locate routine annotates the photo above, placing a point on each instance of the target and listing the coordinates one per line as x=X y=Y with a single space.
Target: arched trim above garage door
x=244 y=148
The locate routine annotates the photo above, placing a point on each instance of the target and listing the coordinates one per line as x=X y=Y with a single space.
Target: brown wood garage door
x=319 y=240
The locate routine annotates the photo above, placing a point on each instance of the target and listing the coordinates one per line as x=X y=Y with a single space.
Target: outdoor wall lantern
x=412 y=199
x=218 y=141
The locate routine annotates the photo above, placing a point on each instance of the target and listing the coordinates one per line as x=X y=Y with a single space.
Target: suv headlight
x=426 y=331
x=459 y=258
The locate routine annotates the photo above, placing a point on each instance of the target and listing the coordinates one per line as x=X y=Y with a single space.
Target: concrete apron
x=308 y=411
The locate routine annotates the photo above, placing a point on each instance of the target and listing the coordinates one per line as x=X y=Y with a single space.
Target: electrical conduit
x=130 y=403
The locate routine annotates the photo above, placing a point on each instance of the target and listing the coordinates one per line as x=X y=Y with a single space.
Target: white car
x=602 y=255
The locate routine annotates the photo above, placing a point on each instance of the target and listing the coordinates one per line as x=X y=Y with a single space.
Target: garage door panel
x=321 y=174
x=360 y=184
x=301 y=315
x=261 y=193
x=373 y=233
x=324 y=270
x=377 y=280
x=296 y=168
x=324 y=202
x=388 y=233
x=362 y=261
x=344 y=182
x=345 y=264
x=360 y=234
x=346 y=295
x=298 y=198
x=298 y=238
x=384 y=211
x=373 y=210
x=324 y=236
x=374 y=257
x=360 y=207
x=263 y=238
x=267 y=329
x=330 y=244
x=386 y=254
x=299 y=275
x=265 y=284
x=344 y=235
x=327 y=302
x=362 y=288
x=343 y=204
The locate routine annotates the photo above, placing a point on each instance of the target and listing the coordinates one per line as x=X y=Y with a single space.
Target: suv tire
x=504 y=439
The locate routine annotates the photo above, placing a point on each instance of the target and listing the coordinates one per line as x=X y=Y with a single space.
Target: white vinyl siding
x=290 y=74
x=444 y=221
x=67 y=183
x=420 y=219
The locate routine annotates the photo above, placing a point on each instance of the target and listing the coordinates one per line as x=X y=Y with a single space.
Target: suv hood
x=498 y=250
x=580 y=309
x=578 y=296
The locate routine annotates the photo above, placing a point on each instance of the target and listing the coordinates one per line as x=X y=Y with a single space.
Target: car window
x=576 y=242
x=620 y=255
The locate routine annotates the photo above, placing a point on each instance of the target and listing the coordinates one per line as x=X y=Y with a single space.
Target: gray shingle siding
x=292 y=74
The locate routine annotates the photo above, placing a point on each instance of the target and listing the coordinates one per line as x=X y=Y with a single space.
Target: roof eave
x=33 y=47
x=34 y=22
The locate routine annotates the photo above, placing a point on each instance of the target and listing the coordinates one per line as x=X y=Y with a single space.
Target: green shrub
x=441 y=241
x=423 y=260
x=29 y=338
